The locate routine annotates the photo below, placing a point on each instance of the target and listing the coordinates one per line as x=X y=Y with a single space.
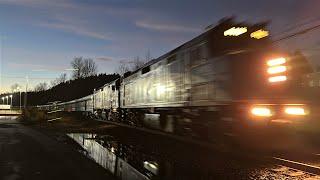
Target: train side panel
x=187 y=78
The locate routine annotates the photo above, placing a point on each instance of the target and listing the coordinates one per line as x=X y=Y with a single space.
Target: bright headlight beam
x=295 y=111
x=276 y=69
x=277 y=79
x=261 y=111
x=259 y=34
x=235 y=31
x=277 y=61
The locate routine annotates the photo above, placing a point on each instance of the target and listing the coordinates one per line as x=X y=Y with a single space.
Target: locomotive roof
x=192 y=42
x=224 y=23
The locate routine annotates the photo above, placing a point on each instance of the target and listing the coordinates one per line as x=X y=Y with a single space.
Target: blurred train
x=214 y=79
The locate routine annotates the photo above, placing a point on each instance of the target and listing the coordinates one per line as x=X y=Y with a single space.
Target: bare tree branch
x=83 y=67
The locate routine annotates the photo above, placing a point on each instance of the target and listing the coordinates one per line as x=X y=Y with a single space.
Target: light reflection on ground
x=127 y=162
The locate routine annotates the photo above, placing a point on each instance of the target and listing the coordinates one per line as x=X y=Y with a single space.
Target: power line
x=304 y=31
x=297 y=25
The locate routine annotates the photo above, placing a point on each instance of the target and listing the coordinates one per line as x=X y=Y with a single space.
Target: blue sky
x=40 y=37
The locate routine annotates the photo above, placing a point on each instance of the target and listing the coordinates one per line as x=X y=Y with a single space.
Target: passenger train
x=199 y=86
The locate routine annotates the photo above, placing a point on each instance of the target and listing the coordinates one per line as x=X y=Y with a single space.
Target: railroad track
x=281 y=169
x=289 y=169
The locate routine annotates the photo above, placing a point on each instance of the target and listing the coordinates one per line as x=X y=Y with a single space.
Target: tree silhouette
x=41 y=87
x=83 y=67
x=70 y=90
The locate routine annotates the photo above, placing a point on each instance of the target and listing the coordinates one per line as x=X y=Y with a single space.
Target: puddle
x=137 y=162
x=114 y=157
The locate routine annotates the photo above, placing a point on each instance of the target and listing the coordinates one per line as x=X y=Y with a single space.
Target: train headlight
x=277 y=66
x=276 y=69
x=298 y=111
x=261 y=111
x=235 y=31
x=277 y=78
x=277 y=61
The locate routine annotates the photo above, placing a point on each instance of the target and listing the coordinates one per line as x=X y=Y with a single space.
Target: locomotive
x=212 y=80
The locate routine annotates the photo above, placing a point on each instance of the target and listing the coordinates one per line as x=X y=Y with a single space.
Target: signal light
x=235 y=31
x=276 y=69
x=259 y=34
x=277 y=61
x=261 y=111
x=277 y=79
x=299 y=111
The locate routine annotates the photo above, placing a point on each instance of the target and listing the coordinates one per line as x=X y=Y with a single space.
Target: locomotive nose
x=279 y=112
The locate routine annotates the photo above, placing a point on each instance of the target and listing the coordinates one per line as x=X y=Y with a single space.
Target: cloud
x=80 y=30
x=37 y=67
x=105 y=58
x=118 y=60
x=126 y=61
x=41 y=3
x=166 y=27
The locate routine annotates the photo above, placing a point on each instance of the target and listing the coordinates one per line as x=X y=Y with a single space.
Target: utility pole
x=20 y=100
x=1 y=44
x=25 y=94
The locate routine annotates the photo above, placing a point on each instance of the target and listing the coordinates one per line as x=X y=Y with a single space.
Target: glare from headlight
x=277 y=61
x=276 y=69
x=295 y=111
x=277 y=79
x=261 y=111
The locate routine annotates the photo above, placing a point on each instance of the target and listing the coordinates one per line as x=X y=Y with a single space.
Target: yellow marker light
x=295 y=111
x=276 y=69
x=235 y=31
x=277 y=61
x=261 y=111
x=259 y=34
x=277 y=79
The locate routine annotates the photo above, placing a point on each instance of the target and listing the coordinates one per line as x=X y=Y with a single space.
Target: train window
x=172 y=58
x=195 y=54
x=113 y=88
x=202 y=74
x=145 y=70
x=174 y=68
x=204 y=52
x=198 y=55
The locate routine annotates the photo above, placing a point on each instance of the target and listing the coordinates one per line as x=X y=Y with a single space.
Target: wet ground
x=136 y=155
x=29 y=154
x=56 y=151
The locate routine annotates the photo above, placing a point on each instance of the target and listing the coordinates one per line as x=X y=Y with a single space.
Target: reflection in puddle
x=137 y=162
x=113 y=157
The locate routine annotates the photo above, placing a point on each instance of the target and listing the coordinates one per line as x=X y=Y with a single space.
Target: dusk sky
x=41 y=37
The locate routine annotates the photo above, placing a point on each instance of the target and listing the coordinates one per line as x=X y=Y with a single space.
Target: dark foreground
x=82 y=149
x=29 y=154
